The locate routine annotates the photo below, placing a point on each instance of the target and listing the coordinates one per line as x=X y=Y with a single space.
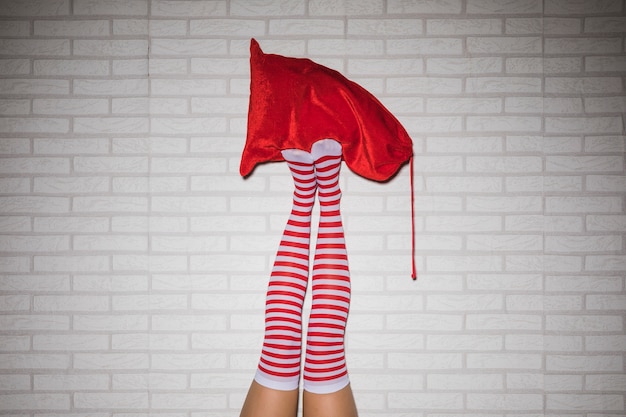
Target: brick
x=604 y=24
x=509 y=242
x=15 y=29
x=71 y=263
x=107 y=400
x=583 y=86
x=584 y=323
x=109 y=323
x=15 y=303
x=35 y=283
x=424 y=7
x=34 y=204
x=605 y=302
x=153 y=263
x=117 y=48
x=566 y=7
x=112 y=7
x=582 y=284
x=186 y=47
x=71 y=382
x=110 y=125
x=504 y=84
x=605 y=104
x=524 y=26
x=605 y=382
x=466 y=342
x=346 y=8
x=131 y=67
x=504 y=124
x=34 y=244
x=110 y=361
x=526 y=381
x=14 y=383
x=305 y=27
x=556 y=46
x=461 y=105
x=187 y=8
x=35 y=47
x=70 y=106
x=14 y=107
x=71 y=28
x=605 y=183
x=195 y=361
x=606 y=223
x=168 y=66
x=604 y=263
x=562 y=26
x=482 y=65
x=34 y=361
x=34 y=125
x=424 y=360
x=385 y=66
x=15 y=146
x=197 y=322
x=186 y=401
x=188 y=282
x=132 y=27
x=571 y=402
x=10 y=224
x=504 y=282
x=71 y=224
x=384 y=27
x=505 y=401
x=111 y=164
x=261 y=8
x=32 y=401
x=14 y=264
x=72 y=342
x=425 y=46
x=117 y=283
x=423 y=322
x=35 y=8
x=344 y=47
x=583 y=204
x=14 y=66
x=137 y=87
x=504 y=45
x=66 y=67
x=572 y=244
x=605 y=63
x=110 y=243
x=436 y=401
x=508 y=204
x=195 y=87
x=460 y=26
x=139 y=341
x=504 y=7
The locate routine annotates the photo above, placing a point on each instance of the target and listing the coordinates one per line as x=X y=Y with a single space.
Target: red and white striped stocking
x=325 y=368
x=279 y=366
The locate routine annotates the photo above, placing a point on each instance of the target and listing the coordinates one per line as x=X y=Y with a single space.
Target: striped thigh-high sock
x=325 y=368
x=279 y=366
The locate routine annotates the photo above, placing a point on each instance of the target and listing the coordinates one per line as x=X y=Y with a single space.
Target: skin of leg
x=336 y=404
x=264 y=402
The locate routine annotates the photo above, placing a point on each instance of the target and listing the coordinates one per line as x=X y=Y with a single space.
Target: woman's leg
x=274 y=391
x=327 y=391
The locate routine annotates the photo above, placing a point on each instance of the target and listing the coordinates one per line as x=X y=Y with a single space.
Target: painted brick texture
x=134 y=259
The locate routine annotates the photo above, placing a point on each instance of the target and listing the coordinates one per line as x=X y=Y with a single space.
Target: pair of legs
x=327 y=393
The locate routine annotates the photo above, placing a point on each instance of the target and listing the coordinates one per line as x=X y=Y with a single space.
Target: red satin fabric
x=295 y=102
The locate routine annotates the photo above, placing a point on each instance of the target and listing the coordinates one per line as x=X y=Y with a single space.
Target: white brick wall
x=134 y=259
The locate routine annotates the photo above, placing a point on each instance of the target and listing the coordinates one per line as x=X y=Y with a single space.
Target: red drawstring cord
x=414 y=271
